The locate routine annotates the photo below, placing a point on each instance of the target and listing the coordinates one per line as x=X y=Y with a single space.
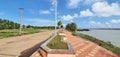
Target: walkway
x=22 y=46
x=84 y=48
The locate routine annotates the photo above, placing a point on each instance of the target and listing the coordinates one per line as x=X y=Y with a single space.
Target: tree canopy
x=6 y=24
x=60 y=24
x=71 y=27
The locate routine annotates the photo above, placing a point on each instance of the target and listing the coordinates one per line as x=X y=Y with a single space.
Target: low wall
x=61 y=55
x=57 y=52
x=47 y=52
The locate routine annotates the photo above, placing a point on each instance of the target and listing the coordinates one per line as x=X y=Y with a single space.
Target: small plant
x=56 y=43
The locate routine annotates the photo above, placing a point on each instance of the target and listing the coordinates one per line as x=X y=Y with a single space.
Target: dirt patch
x=24 y=45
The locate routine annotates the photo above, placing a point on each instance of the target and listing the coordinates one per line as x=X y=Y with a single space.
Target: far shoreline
x=88 y=29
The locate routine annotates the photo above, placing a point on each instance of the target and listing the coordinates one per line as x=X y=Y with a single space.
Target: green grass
x=15 y=32
x=101 y=43
x=56 y=43
x=31 y=31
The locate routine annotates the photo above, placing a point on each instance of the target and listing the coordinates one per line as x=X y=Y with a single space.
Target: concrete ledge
x=62 y=34
x=47 y=52
x=60 y=55
x=36 y=54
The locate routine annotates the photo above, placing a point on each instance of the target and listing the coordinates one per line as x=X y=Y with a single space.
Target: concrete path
x=84 y=48
x=22 y=46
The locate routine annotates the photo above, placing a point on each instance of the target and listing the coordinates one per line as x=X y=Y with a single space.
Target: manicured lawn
x=56 y=43
x=15 y=32
x=101 y=43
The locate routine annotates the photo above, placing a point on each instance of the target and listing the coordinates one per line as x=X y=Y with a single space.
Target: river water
x=112 y=36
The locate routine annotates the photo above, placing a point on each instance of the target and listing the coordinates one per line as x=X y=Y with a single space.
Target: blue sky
x=85 y=13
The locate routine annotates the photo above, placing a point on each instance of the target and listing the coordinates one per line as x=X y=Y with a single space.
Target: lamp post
x=55 y=16
x=20 y=32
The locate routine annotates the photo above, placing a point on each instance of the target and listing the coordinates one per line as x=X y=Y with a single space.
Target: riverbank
x=106 y=45
x=105 y=35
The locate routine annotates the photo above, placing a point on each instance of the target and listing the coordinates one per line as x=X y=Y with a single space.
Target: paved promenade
x=84 y=48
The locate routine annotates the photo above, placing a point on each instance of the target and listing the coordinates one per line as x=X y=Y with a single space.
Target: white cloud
x=93 y=23
x=114 y=21
x=69 y=17
x=75 y=15
x=99 y=24
x=73 y=3
x=105 y=10
x=45 y=12
x=89 y=2
x=39 y=22
x=86 y=13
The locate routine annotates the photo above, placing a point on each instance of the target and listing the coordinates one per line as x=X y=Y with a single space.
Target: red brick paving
x=84 y=48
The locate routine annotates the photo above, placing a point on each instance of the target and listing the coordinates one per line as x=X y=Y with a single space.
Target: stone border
x=45 y=51
x=44 y=46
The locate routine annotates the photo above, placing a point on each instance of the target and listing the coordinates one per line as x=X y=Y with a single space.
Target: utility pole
x=20 y=32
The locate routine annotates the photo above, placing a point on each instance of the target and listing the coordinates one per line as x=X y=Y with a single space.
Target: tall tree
x=71 y=27
x=59 y=23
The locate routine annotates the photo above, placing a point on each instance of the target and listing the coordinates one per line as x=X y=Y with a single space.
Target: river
x=112 y=36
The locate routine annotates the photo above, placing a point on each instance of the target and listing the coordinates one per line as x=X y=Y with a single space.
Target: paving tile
x=84 y=48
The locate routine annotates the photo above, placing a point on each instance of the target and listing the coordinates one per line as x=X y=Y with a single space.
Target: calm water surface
x=106 y=35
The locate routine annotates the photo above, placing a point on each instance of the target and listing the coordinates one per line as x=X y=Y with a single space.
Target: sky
x=85 y=13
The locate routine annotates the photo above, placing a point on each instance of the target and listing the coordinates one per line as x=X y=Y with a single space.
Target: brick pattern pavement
x=84 y=48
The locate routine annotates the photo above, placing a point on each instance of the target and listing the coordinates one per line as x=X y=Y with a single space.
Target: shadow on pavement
x=30 y=51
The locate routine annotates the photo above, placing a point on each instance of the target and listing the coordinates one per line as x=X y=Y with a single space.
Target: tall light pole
x=55 y=16
x=20 y=32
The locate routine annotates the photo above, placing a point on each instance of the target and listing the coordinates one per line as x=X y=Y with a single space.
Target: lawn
x=101 y=43
x=56 y=43
x=15 y=32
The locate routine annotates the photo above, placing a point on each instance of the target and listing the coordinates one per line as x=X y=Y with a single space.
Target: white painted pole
x=55 y=16
x=20 y=21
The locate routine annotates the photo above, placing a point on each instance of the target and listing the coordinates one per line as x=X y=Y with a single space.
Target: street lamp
x=20 y=32
x=55 y=16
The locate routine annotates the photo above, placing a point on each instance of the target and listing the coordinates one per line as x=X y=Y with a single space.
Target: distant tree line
x=41 y=27
x=7 y=24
